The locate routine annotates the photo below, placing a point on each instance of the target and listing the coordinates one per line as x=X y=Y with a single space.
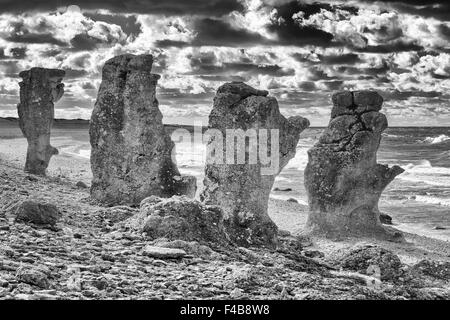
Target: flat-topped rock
x=163 y=253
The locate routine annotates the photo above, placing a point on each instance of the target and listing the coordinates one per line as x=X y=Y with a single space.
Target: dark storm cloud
x=75 y=74
x=207 y=64
x=346 y=58
x=35 y=38
x=128 y=23
x=84 y=42
x=171 y=43
x=398 y=46
x=438 y=9
x=168 y=7
x=21 y=34
x=51 y=52
x=291 y=33
x=19 y=53
x=316 y=73
x=215 y=32
x=444 y=30
x=248 y=68
x=405 y=95
x=222 y=78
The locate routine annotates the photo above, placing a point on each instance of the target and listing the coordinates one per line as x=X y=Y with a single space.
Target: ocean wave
x=433 y=200
x=424 y=172
x=389 y=135
x=439 y=139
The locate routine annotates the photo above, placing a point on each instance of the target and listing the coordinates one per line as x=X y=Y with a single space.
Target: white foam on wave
x=285 y=198
x=300 y=160
x=84 y=153
x=439 y=139
x=426 y=173
x=433 y=200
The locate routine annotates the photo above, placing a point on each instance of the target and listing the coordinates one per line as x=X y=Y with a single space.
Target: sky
x=301 y=51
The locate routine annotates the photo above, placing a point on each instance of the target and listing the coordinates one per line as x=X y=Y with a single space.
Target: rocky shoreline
x=91 y=254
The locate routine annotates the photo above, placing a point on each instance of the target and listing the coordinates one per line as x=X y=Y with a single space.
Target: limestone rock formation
x=39 y=90
x=131 y=151
x=179 y=218
x=343 y=179
x=242 y=186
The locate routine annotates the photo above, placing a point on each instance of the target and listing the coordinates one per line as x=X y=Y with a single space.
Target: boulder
x=36 y=212
x=343 y=180
x=163 y=253
x=435 y=269
x=39 y=90
x=238 y=177
x=33 y=276
x=131 y=156
x=365 y=258
x=385 y=218
x=179 y=218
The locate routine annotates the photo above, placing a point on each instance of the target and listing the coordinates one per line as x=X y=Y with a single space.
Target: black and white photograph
x=226 y=155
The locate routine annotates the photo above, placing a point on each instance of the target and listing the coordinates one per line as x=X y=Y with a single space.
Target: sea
x=418 y=200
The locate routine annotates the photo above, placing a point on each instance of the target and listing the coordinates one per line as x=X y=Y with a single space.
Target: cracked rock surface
x=242 y=188
x=39 y=90
x=131 y=155
x=343 y=179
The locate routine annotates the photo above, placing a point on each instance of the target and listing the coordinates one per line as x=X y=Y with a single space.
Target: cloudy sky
x=301 y=51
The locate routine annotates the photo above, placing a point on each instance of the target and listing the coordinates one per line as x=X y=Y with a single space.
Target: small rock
x=81 y=185
x=37 y=212
x=385 y=218
x=236 y=293
x=292 y=200
x=163 y=253
x=284 y=233
x=33 y=277
x=282 y=189
x=31 y=178
x=313 y=254
x=440 y=228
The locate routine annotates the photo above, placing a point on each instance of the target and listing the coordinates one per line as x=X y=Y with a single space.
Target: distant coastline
x=81 y=123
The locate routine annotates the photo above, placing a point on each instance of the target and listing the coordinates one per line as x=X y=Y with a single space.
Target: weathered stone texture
x=39 y=90
x=343 y=179
x=131 y=155
x=242 y=188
